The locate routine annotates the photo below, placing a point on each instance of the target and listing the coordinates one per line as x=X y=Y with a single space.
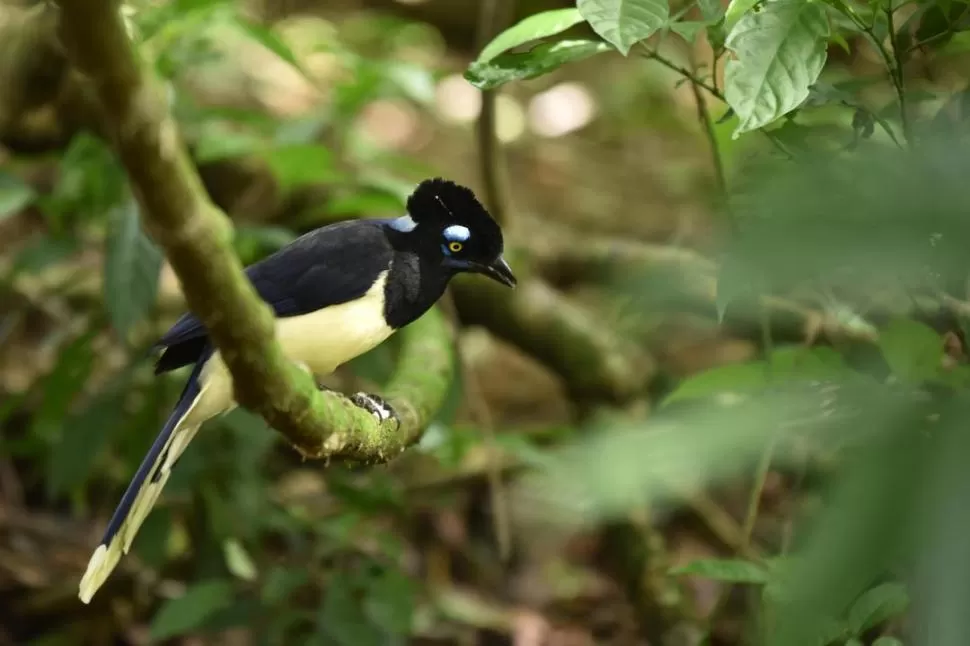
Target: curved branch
x=195 y=236
x=593 y=362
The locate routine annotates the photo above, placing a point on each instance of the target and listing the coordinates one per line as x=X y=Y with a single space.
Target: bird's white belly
x=321 y=341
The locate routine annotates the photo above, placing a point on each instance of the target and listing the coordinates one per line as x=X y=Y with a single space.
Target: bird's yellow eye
x=455 y=247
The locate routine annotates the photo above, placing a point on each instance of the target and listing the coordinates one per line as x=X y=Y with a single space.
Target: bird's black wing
x=331 y=265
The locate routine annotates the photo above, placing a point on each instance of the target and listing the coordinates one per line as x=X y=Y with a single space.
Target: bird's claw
x=374 y=405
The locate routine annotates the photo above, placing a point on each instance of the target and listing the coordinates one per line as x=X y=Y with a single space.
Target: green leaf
x=540 y=60
x=735 y=377
x=300 y=165
x=238 y=560
x=877 y=605
x=15 y=194
x=68 y=376
x=688 y=29
x=83 y=437
x=270 y=40
x=780 y=50
x=677 y=451
x=191 y=610
x=132 y=266
x=913 y=350
x=390 y=602
x=799 y=362
x=343 y=618
x=729 y=570
x=540 y=25
x=711 y=10
x=735 y=10
x=624 y=23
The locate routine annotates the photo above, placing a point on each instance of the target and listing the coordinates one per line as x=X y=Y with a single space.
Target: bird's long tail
x=145 y=487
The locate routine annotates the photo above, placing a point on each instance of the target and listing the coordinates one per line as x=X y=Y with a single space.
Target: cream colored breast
x=321 y=341
x=327 y=338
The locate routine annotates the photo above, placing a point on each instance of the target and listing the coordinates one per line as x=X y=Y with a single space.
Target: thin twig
x=891 y=58
x=703 y=115
x=895 y=65
x=491 y=19
x=764 y=464
x=716 y=93
x=949 y=31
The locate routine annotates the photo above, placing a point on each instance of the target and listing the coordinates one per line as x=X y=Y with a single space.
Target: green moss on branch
x=196 y=235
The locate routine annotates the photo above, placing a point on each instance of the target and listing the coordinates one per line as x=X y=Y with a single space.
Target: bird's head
x=448 y=225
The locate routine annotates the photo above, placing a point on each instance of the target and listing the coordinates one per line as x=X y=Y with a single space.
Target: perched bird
x=337 y=292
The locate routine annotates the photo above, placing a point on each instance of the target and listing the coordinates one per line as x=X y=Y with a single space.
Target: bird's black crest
x=439 y=201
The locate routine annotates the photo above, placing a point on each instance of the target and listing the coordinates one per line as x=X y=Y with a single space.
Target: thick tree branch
x=593 y=362
x=196 y=235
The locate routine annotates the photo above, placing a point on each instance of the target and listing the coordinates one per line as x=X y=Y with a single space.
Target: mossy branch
x=196 y=236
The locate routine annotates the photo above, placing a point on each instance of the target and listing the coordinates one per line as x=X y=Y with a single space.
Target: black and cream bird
x=337 y=292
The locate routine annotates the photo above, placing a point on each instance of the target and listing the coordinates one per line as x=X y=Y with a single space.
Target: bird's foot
x=374 y=405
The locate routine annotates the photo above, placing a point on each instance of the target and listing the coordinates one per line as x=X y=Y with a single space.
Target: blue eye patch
x=404 y=224
x=456 y=232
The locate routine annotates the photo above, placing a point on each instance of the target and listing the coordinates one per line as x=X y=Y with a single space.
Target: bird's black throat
x=413 y=285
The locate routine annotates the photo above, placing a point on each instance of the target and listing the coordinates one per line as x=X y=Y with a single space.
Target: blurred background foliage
x=725 y=405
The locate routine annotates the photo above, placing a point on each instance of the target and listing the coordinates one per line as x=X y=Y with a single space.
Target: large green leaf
x=877 y=605
x=624 y=23
x=190 y=611
x=131 y=269
x=698 y=445
x=912 y=349
x=61 y=385
x=540 y=25
x=790 y=364
x=540 y=60
x=82 y=439
x=729 y=378
x=342 y=617
x=780 y=50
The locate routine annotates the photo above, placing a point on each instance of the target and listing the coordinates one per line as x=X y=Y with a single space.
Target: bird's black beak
x=499 y=271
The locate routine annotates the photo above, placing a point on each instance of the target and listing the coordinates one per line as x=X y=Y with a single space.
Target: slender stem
x=491 y=19
x=949 y=31
x=703 y=115
x=764 y=464
x=754 y=499
x=716 y=93
x=686 y=73
x=891 y=58
x=895 y=65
